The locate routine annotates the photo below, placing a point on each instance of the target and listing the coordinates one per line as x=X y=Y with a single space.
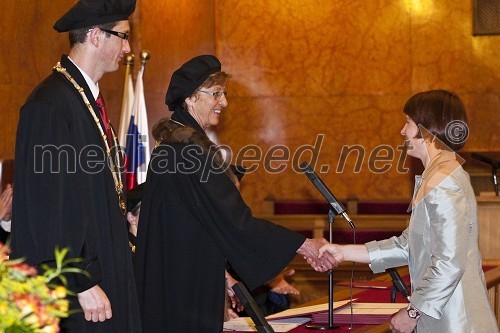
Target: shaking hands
x=310 y=250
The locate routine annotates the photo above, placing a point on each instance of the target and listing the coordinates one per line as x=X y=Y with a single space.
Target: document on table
x=307 y=310
x=282 y=321
x=363 y=313
x=245 y=324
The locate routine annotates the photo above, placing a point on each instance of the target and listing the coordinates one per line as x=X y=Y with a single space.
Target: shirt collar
x=94 y=87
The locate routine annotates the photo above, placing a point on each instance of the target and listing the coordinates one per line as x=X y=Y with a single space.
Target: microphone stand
x=495 y=183
x=336 y=207
x=398 y=285
x=330 y=325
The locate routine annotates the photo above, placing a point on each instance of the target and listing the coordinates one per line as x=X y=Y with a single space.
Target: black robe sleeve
x=256 y=249
x=47 y=203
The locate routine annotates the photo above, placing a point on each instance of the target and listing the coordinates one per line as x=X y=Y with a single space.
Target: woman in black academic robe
x=193 y=219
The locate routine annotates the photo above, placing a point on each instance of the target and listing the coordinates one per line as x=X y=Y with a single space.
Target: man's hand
x=310 y=251
x=402 y=323
x=95 y=304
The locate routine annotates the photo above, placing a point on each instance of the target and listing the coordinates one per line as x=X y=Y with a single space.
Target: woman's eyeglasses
x=216 y=94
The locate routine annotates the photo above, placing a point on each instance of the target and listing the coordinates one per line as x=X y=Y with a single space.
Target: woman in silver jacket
x=440 y=246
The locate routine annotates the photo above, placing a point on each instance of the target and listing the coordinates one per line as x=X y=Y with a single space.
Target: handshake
x=320 y=254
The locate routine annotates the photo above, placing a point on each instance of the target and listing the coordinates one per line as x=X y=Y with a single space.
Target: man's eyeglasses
x=122 y=35
x=216 y=95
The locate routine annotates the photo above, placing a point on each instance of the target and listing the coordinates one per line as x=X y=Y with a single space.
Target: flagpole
x=129 y=62
x=145 y=56
x=143 y=153
x=127 y=100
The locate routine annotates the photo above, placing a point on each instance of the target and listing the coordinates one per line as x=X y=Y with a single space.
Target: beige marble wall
x=301 y=68
x=344 y=69
x=27 y=39
x=30 y=49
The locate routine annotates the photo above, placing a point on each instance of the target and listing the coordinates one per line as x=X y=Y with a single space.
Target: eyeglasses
x=122 y=35
x=216 y=95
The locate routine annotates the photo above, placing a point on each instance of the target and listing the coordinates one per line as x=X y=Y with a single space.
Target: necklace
x=115 y=170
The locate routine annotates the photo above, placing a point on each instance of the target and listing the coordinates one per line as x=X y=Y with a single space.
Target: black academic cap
x=188 y=78
x=88 y=13
x=134 y=196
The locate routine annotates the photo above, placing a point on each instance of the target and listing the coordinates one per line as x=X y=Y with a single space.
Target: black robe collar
x=185 y=118
x=77 y=75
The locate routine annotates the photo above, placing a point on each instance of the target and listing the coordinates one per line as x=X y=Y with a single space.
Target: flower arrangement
x=29 y=302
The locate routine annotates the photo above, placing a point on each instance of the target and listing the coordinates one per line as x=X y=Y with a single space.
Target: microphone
x=334 y=203
x=495 y=164
x=398 y=284
x=485 y=159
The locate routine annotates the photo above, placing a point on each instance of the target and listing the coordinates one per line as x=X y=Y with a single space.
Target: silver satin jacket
x=440 y=246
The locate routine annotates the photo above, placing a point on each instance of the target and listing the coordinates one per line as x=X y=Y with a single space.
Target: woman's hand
x=402 y=323
x=235 y=301
x=334 y=250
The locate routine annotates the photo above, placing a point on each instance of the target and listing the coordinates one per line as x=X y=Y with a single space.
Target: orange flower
x=25 y=269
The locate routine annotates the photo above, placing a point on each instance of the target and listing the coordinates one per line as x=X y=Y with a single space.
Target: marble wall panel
x=174 y=32
x=344 y=70
x=445 y=54
x=337 y=124
x=321 y=47
x=30 y=48
x=300 y=68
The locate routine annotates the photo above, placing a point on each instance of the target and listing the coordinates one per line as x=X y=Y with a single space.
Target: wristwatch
x=412 y=312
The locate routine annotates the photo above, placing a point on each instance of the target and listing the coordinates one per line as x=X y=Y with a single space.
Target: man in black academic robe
x=65 y=192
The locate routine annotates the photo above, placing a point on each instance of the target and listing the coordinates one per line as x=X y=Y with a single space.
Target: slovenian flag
x=137 y=152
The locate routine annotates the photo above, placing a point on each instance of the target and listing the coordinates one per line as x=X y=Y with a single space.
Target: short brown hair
x=436 y=111
x=79 y=36
x=217 y=78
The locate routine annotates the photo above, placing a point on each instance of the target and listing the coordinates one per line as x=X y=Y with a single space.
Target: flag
x=137 y=152
x=127 y=103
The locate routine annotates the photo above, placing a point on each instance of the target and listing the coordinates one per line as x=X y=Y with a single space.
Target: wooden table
x=341 y=293
x=492 y=276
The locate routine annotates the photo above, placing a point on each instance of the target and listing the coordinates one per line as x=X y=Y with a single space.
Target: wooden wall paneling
x=489 y=226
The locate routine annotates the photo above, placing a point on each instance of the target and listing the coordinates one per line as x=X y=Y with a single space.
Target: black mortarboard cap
x=188 y=78
x=134 y=196
x=88 y=13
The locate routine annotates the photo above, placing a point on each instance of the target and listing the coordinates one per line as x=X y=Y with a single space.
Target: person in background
x=69 y=189
x=134 y=198
x=194 y=220
x=5 y=213
x=440 y=246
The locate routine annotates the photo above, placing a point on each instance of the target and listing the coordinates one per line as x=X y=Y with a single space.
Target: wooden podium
x=489 y=226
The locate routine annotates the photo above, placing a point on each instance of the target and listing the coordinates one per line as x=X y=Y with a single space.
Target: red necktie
x=104 y=116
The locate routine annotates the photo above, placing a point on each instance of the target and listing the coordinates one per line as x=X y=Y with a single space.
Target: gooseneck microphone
x=336 y=205
x=495 y=165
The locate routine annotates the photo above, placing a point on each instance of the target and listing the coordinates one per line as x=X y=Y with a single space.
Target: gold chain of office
x=115 y=171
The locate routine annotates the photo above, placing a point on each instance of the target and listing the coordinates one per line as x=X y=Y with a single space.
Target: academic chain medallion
x=115 y=171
